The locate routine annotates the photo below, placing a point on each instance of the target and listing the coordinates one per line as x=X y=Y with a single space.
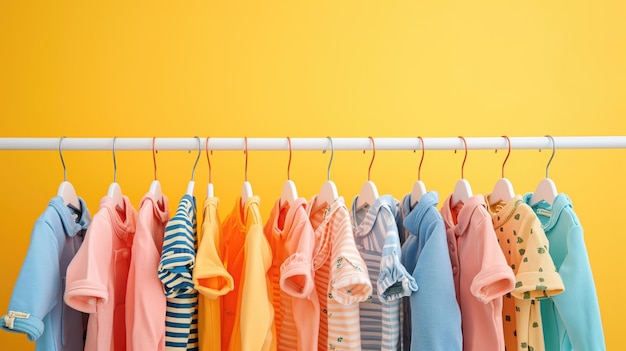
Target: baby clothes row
x=387 y=276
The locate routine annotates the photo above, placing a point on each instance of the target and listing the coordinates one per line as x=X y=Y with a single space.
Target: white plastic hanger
x=289 y=193
x=462 y=189
x=419 y=189
x=209 y=188
x=328 y=193
x=115 y=192
x=246 y=188
x=503 y=189
x=369 y=192
x=546 y=189
x=155 y=186
x=66 y=189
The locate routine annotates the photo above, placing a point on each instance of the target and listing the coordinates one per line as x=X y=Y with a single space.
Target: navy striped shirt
x=175 y=272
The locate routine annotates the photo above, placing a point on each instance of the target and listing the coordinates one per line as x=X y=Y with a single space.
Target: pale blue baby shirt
x=37 y=308
x=571 y=320
x=435 y=316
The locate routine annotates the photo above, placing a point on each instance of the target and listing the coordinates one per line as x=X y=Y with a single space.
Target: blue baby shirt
x=36 y=307
x=571 y=320
x=434 y=312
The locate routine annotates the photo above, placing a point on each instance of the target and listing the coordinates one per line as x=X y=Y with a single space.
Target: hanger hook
x=62 y=160
x=464 y=158
x=369 y=170
x=114 y=162
x=209 y=160
x=508 y=142
x=332 y=154
x=245 y=151
x=551 y=156
x=193 y=171
x=419 y=169
x=154 y=152
x=289 y=162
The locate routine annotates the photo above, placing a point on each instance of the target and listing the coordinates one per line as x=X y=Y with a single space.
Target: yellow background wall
x=311 y=69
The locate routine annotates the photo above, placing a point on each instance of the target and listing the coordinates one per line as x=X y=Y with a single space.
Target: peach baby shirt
x=341 y=276
x=481 y=273
x=291 y=235
x=526 y=248
x=97 y=276
x=145 y=301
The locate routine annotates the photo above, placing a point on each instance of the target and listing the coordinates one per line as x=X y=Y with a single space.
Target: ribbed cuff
x=394 y=281
x=31 y=326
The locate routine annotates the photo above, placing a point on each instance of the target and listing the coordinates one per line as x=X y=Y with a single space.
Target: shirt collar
x=292 y=209
x=160 y=210
x=465 y=214
x=249 y=213
x=70 y=226
x=552 y=212
x=122 y=226
x=502 y=212
x=414 y=218
x=366 y=225
x=313 y=206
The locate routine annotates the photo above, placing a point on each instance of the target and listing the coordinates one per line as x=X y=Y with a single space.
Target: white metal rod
x=455 y=143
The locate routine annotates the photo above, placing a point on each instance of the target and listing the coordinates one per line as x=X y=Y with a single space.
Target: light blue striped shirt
x=378 y=242
x=175 y=272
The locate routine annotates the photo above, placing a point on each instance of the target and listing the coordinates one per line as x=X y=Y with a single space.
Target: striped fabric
x=341 y=278
x=175 y=272
x=377 y=239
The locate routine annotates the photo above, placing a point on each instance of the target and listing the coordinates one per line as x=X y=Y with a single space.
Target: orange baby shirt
x=291 y=235
x=210 y=278
x=247 y=314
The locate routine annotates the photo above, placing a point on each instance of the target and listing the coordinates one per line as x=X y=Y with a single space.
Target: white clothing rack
x=191 y=143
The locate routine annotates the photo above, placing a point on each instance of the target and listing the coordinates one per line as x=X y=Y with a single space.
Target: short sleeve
x=88 y=273
x=297 y=273
x=37 y=288
x=394 y=281
x=349 y=277
x=536 y=275
x=209 y=275
x=495 y=277
x=178 y=257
